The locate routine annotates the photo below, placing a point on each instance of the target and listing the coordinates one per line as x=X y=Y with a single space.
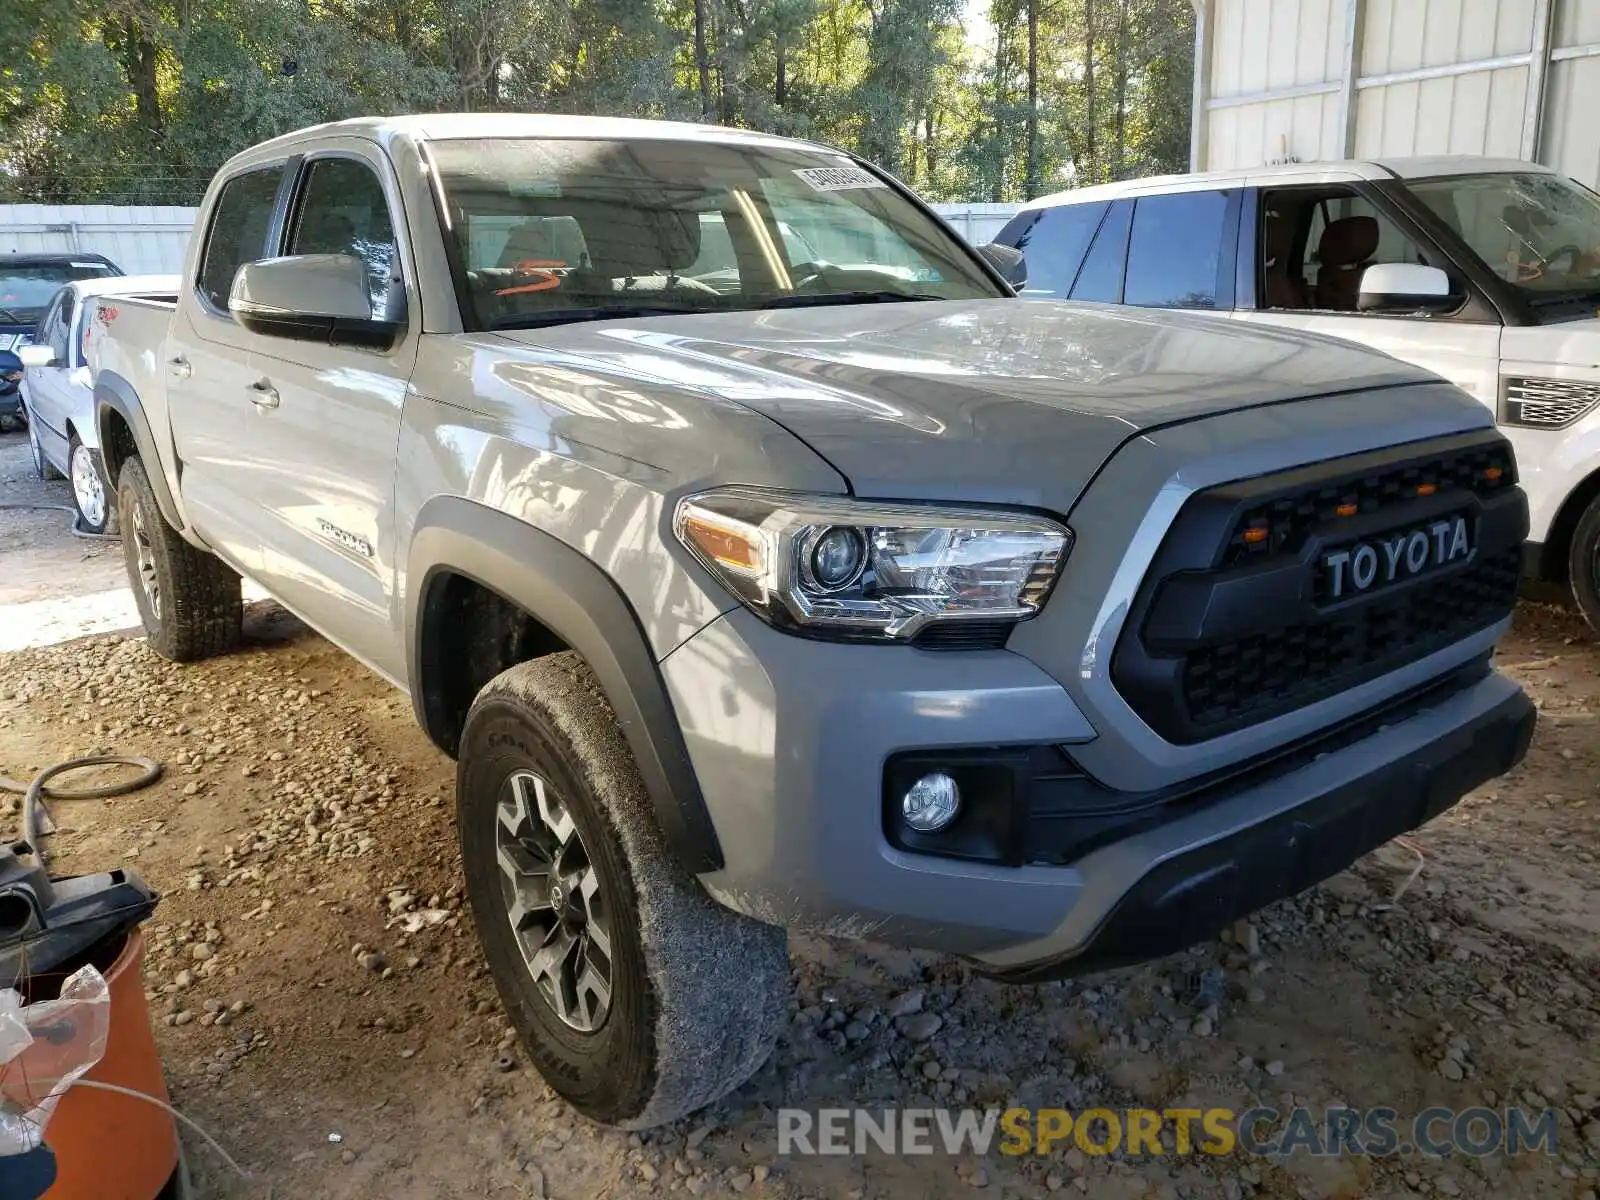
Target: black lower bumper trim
x=1192 y=897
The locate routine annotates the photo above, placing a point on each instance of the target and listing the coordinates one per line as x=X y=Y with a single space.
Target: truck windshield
x=27 y=288
x=1537 y=231
x=553 y=230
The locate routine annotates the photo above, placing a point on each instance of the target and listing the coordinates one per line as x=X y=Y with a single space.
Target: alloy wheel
x=145 y=555
x=87 y=488
x=554 y=901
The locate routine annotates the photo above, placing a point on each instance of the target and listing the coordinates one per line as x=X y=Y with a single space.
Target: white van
x=1486 y=271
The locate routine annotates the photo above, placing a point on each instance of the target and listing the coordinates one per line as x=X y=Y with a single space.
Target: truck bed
x=125 y=347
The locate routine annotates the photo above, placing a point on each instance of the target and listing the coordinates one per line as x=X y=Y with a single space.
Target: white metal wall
x=140 y=240
x=1315 y=80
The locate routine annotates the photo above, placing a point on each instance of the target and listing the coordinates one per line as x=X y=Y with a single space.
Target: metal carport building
x=1304 y=80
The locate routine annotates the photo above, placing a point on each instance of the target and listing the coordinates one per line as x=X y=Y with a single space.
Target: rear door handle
x=263 y=394
x=180 y=367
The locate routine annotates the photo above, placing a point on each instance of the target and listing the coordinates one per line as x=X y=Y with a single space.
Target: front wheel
x=639 y=998
x=189 y=601
x=1583 y=564
x=97 y=509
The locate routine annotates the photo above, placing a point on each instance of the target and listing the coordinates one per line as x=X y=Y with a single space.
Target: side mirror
x=1007 y=260
x=311 y=297
x=37 y=356
x=10 y=367
x=1406 y=287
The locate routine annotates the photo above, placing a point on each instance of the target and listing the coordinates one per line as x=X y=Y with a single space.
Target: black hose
x=34 y=792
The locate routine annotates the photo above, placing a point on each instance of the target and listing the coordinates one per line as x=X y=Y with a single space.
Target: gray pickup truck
x=766 y=564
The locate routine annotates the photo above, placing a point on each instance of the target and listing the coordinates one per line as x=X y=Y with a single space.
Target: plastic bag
x=44 y=1049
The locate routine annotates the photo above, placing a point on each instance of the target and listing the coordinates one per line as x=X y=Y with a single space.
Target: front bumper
x=789 y=740
x=10 y=400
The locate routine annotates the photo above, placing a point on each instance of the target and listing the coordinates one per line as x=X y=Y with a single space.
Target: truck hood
x=1007 y=401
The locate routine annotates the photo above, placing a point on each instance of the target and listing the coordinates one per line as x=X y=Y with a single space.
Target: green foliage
x=139 y=101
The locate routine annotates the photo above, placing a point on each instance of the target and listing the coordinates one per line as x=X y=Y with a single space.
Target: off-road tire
x=1583 y=564
x=698 y=993
x=189 y=601
x=107 y=524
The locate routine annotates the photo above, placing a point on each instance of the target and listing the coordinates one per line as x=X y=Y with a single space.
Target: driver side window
x=1317 y=241
x=343 y=211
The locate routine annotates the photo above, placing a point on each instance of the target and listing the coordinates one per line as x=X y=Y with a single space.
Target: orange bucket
x=111 y=1147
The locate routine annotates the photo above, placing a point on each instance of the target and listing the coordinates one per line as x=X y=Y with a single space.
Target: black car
x=28 y=282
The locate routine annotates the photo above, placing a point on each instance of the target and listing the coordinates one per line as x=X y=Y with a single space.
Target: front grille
x=1545 y=403
x=1288 y=519
x=1273 y=671
x=1231 y=627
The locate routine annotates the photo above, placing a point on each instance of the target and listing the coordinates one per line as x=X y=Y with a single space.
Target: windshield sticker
x=839 y=179
x=82 y=266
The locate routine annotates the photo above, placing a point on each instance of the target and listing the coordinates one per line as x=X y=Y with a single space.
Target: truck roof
x=1420 y=167
x=442 y=126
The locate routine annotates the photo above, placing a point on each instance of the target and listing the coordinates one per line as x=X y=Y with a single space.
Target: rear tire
x=96 y=502
x=189 y=600
x=555 y=825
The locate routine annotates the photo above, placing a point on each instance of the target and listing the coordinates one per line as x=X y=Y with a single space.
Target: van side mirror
x=1007 y=260
x=311 y=297
x=37 y=355
x=1406 y=288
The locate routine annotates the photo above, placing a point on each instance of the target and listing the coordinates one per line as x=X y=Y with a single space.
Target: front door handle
x=263 y=394
x=180 y=367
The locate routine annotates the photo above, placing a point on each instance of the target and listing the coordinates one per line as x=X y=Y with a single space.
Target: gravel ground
x=323 y=1010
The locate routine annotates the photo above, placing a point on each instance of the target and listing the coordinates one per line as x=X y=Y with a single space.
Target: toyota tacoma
x=766 y=564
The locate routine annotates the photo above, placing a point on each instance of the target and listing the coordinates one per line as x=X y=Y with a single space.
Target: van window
x=1176 y=250
x=1053 y=246
x=1101 y=277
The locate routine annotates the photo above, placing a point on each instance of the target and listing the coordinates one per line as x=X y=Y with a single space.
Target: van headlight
x=833 y=566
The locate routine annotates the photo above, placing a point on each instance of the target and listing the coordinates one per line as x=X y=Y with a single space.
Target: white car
x=1486 y=271
x=58 y=392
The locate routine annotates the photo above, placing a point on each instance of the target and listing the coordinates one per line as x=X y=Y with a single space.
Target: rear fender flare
x=114 y=394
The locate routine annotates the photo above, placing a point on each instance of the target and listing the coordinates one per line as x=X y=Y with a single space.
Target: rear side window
x=1101 y=277
x=1053 y=247
x=239 y=227
x=1176 y=250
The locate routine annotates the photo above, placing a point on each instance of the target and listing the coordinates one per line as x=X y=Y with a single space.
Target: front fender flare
x=580 y=604
x=114 y=394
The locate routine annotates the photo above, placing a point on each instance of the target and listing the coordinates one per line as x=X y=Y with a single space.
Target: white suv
x=1486 y=271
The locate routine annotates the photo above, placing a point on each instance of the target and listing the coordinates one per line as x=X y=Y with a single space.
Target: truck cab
x=1486 y=271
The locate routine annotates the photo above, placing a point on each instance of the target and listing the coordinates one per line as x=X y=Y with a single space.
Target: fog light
x=931 y=803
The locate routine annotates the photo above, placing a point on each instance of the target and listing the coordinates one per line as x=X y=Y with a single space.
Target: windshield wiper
x=567 y=316
x=10 y=314
x=844 y=298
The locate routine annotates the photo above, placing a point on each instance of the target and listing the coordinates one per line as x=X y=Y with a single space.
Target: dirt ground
x=305 y=822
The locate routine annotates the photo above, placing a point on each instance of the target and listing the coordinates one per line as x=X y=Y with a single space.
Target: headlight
x=857 y=569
